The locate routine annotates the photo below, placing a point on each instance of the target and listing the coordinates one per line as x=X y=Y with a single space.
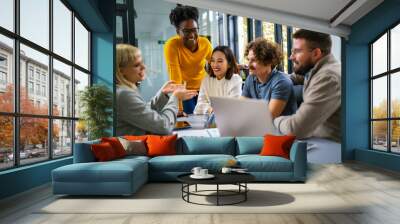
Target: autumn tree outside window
x=44 y=64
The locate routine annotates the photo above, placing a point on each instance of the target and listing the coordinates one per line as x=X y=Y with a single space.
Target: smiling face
x=219 y=64
x=134 y=71
x=188 y=31
x=302 y=57
x=258 y=68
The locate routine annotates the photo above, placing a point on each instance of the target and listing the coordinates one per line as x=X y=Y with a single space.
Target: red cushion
x=116 y=145
x=277 y=145
x=103 y=151
x=161 y=145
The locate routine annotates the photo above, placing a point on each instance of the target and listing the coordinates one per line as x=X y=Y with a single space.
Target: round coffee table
x=238 y=179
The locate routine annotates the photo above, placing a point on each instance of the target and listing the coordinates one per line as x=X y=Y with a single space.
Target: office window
x=34 y=23
x=81 y=81
x=45 y=131
x=81 y=45
x=395 y=47
x=62 y=30
x=6 y=142
x=7 y=14
x=62 y=137
x=268 y=31
x=62 y=74
x=385 y=96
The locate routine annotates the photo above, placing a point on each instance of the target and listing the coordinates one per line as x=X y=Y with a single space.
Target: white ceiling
x=315 y=15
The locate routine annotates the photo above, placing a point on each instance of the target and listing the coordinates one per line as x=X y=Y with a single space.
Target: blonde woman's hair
x=126 y=53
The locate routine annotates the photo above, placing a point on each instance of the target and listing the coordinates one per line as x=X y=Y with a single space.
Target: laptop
x=242 y=117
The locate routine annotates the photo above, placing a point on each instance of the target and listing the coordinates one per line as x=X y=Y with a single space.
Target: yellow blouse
x=184 y=65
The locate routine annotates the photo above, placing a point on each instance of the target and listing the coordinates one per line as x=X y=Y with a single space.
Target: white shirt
x=211 y=86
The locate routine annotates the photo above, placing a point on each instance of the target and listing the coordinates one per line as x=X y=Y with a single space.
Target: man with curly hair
x=186 y=53
x=265 y=81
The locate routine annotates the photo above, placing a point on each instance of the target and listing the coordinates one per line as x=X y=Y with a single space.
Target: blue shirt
x=278 y=86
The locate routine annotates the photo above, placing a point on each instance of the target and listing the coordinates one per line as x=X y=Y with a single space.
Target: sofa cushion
x=257 y=163
x=103 y=152
x=185 y=163
x=116 y=145
x=134 y=147
x=249 y=145
x=190 y=145
x=161 y=145
x=277 y=145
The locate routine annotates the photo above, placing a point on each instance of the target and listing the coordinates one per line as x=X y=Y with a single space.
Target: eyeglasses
x=187 y=32
x=297 y=51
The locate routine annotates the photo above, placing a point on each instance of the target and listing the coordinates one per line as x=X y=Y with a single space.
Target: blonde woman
x=134 y=115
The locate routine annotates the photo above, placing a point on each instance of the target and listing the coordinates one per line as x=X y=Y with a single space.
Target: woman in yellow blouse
x=186 y=53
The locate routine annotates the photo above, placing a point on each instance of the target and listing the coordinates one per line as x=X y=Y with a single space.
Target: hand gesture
x=184 y=94
x=170 y=87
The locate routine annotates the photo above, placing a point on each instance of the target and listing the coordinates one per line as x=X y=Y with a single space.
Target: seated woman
x=265 y=81
x=134 y=115
x=222 y=79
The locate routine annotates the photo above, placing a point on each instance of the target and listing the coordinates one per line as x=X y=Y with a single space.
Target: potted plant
x=96 y=104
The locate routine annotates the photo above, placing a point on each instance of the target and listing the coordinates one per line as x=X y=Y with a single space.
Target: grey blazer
x=319 y=114
x=137 y=117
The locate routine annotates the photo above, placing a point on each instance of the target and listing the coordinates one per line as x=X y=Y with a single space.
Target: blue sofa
x=125 y=176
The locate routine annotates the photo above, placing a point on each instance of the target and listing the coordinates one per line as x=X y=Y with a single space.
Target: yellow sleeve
x=172 y=61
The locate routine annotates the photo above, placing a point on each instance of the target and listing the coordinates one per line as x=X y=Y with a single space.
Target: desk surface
x=198 y=127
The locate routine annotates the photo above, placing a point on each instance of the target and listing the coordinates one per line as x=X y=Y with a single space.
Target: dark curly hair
x=231 y=60
x=265 y=51
x=181 y=13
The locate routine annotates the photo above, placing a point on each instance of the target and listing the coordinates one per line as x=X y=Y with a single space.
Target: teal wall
x=356 y=85
x=24 y=178
x=99 y=16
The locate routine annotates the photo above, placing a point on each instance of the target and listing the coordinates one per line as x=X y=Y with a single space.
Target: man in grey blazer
x=318 y=117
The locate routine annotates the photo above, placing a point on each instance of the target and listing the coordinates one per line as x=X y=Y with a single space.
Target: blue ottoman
x=119 y=177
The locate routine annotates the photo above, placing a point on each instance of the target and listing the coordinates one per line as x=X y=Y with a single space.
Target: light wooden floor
x=378 y=188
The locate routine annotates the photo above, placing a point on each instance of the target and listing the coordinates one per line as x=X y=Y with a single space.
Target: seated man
x=265 y=81
x=318 y=117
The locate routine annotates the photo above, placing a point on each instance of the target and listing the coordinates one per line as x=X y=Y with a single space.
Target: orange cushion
x=103 y=151
x=161 y=145
x=277 y=145
x=116 y=145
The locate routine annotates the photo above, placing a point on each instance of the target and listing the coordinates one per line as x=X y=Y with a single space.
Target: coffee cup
x=196 y=170
x=226 y=170
x=203 y=172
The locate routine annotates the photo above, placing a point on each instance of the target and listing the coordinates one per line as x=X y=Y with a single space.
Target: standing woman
x=222 y=79
x=134 y=115
x=186 y=53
